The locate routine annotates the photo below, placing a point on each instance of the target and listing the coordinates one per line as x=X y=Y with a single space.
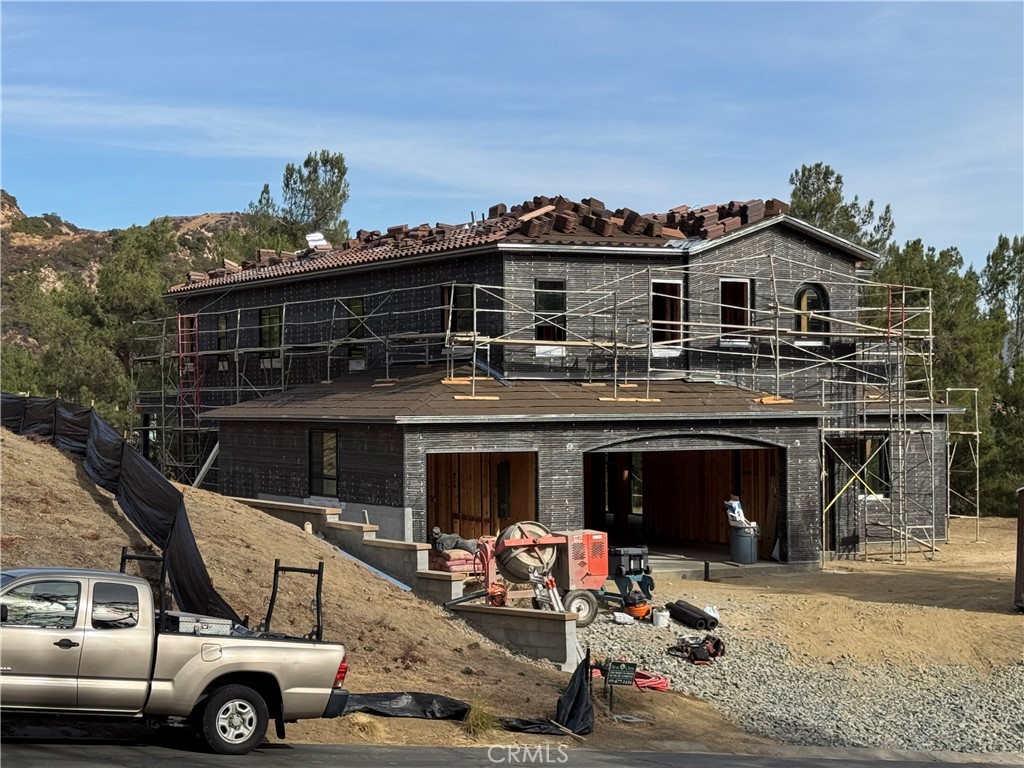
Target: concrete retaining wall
x=297 y=514
x=540 y=634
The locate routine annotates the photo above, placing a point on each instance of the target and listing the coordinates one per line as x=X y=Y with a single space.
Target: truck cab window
x=114 y=606
x=43 y=604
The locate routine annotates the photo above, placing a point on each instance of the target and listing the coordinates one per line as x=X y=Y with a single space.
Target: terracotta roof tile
x=556 y=220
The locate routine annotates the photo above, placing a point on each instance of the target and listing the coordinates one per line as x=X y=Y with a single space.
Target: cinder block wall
x=538 y=634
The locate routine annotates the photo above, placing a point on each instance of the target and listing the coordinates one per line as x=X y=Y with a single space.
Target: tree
x=1003 y=290
x=1003 y=287
x=60 y=345
x=131 y=284
x=315 y=193
x=818 y=199
x=966 y=343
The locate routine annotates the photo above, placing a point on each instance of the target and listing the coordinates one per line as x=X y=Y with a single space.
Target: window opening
x=356 y=326
x=812 y=300
x=666 y=312
x=323 y=464
x=549 y=304
x=875 y=478
x=458 y=308
x=736 y=304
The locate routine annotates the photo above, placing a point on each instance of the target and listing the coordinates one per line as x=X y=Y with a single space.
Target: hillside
x=53 y=514
x=57 y=247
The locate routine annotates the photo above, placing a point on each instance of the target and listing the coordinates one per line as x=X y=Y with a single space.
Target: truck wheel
x=234 y=720
x=583 y=603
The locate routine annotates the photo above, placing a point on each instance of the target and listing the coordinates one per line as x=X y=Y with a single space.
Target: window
x=811 y=303
x=736 y=300
x=270 y=337
x=666 y=316
x=270 y=327
x=114 y=606
x=46 y=604
x=187 y=342
x=874 y=474
x=222 y=332
x=549 y=304
x=356 y=327
x=323 y=464
x=458 y=308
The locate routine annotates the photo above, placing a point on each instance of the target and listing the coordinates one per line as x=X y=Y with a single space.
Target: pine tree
x=818 y=199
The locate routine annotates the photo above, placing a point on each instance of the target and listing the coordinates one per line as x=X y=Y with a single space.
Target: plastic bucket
x=660 y=618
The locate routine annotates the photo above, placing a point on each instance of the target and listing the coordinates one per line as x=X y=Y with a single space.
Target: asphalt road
x=39 y=753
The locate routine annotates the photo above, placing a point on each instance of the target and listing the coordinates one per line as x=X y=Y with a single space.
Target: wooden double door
x=479 y=494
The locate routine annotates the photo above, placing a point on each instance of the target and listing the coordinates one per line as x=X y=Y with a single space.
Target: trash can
x=743 y=544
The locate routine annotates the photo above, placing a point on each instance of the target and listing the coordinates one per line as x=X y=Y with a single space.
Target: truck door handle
x=66 y=644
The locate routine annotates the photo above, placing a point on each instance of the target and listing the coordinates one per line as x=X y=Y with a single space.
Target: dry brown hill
x=50 y=244
x=52 y=514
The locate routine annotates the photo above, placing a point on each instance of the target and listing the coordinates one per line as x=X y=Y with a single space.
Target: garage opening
x=674 y=498
x=479 y=494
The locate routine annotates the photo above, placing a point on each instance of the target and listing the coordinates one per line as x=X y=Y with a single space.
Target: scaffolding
x=861 y=349
x=963 y=497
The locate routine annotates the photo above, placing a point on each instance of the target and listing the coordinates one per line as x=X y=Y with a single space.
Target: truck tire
x=583 y=603
x=234 y=720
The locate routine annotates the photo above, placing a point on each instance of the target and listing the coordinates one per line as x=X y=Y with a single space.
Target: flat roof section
x=425 y=395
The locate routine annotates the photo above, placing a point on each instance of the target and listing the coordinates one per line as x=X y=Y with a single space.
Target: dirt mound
x=52 y=514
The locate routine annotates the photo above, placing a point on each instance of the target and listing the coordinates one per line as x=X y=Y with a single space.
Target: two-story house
x=563 y=362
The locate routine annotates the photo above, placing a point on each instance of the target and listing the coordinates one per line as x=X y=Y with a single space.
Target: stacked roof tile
x=554 y=220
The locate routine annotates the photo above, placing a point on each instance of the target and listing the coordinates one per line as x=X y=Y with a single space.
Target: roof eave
x=529 y=418
x=852 y=249
x=315 y=274
x=632 y=250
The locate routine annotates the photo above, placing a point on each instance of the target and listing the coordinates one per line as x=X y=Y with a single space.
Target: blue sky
x=116 y=113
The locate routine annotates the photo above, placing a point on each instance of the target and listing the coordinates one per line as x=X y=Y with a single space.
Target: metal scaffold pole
x=861 y=347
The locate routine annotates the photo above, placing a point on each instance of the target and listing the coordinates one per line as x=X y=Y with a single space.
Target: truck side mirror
x=3 y=613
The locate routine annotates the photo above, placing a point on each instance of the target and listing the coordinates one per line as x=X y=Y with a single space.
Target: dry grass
x=368 y=728
x=480 y=722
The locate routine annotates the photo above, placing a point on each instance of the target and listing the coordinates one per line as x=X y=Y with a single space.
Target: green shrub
x=32 y=225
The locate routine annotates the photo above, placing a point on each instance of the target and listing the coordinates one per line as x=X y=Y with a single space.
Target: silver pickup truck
x=83 y=642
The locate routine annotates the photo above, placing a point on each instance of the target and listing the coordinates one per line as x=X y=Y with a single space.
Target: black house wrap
x=564 y=362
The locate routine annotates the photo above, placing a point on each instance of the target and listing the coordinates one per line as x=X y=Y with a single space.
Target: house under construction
x=563 y=362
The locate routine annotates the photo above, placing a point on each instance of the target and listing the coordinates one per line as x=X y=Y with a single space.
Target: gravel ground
x=770 y=692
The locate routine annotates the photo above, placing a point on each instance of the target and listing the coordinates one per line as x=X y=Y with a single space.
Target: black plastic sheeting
x=575 y=710
x=146 y=497
x=12 y=411
x=40 y=413
x=428 y=706
x=103 y=455
x=71 y=427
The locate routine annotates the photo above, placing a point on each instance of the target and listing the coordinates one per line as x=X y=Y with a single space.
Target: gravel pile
x=767 y=690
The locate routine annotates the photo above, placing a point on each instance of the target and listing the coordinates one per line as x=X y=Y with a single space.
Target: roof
x=54 y=570
x=424 y=396
x=544 y=221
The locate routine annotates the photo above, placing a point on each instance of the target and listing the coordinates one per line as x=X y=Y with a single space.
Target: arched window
x=811 y=304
